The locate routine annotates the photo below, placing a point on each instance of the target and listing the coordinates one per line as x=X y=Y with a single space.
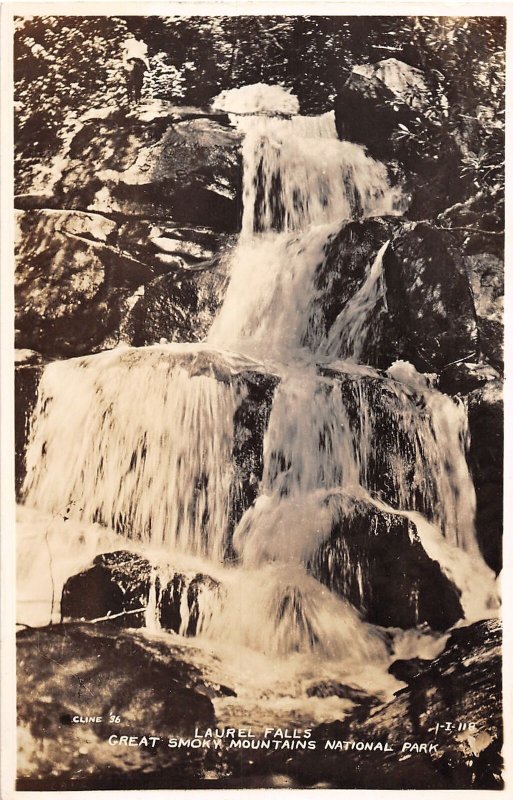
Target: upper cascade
x=300 y=182
x=297 y=173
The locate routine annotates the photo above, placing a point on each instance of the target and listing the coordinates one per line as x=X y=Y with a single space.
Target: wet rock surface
x=486 y=424
x=466 y=678
x=251 y=420
x=348 y=257
x=181 y=602
x=406 y=669
x=335 y=689
x=375 y=559
x=427 y=314
x=116 y=585
x=179 y=307
x=26 y=381
x=429 y=298
x=133 y=686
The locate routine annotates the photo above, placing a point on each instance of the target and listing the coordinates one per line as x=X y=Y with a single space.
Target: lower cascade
x=290 y=499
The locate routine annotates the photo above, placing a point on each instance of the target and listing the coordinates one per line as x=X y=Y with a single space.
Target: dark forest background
x=64 y=66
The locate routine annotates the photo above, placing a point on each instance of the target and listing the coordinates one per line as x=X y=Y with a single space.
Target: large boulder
x=388 y=108
x=340 y=279
x=129 y=687
x=406 y=83
x=183 y=600
x=375 y=559
x=485 y=408
x=178 y=307
x=180 y=168
x=369 y=112
x=129 y=591
x=85 y=282
x=71 y=282
x=424 y=313
x=116 y=585
x=429 y=298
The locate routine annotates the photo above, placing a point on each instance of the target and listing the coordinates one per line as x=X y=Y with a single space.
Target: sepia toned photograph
x=258 y=416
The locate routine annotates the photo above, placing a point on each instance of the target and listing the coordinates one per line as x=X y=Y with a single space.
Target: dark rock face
x=195 y=592
x=133 y=203
x=375 y=559
x=26 y=381
x=429 y=298
x=336 y=689
x=85 y=283
x=427 y=316
x=170 y=614
x=461 y=687
x=179 y=307
x=101 y=671
x=368 y=112
x=348 y=258
x=486 y=425
x=407 y=669
x=393 y=416
x=251 y=420
x=70 y=287
x=117 y=585
x=465 y=376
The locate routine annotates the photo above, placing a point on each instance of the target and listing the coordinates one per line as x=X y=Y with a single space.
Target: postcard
x=256 y=440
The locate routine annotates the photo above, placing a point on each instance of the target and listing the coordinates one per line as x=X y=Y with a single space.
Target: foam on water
x=136 y=442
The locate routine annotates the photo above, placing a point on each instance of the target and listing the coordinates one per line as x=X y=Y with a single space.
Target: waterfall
x=142 y=440
x=131 y=440
x=300 y=183
x=297 y=173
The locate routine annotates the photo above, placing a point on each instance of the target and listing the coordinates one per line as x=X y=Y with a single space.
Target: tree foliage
x=66 y=65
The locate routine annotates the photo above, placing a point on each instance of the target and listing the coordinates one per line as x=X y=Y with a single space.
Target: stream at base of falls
x=132 y=449
x=271 y=689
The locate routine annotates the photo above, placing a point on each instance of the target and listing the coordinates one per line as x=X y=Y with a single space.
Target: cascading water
x=142 y=441
x=153 y=460
x=300 y=182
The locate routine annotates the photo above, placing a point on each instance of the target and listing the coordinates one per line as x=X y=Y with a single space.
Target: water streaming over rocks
x=284 y=474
